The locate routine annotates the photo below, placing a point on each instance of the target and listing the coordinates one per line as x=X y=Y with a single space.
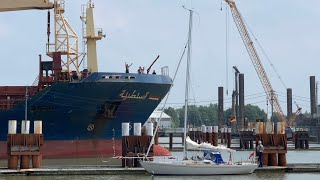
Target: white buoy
x=209 y=129
x=125 y=129
x=25 y=127
x=149 y=129
x=222 y=130
x=37 y=128
x=203 y=129
x=137 y=129
x=215 y=129
x=225 y=130
x=12 y=127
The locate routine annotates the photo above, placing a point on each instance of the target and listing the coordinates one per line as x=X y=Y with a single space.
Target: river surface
x=265 y=176
x=292 y=157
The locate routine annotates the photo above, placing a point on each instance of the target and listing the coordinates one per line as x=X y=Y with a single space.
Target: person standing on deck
x=260 y=149
x=127 y=67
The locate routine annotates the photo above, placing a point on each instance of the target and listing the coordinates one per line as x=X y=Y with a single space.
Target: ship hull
x=83 y=118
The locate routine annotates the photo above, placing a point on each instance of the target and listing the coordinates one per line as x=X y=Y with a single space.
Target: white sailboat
x=211 y=163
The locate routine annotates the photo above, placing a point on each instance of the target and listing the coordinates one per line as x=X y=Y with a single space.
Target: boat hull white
x=178 y=168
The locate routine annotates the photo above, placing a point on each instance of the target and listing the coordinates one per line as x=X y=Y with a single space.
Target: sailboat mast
x=26 y=105
x=187 y=83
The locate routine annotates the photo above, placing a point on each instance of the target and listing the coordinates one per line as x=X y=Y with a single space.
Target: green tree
x=250 y=111
x=174 y=116
x=254 y=112
x=208 y=115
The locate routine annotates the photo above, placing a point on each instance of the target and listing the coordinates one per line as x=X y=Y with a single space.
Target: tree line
x=208 y=115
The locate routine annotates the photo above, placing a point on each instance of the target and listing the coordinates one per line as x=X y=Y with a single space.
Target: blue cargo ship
x=81 y=110
x=82 y=117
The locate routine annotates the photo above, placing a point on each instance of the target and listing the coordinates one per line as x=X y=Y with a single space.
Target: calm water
x=292 y=157
x=265 y=176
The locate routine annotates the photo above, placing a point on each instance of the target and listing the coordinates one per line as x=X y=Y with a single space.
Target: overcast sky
x=137 y=31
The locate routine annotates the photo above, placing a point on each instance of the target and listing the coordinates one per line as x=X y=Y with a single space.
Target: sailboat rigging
x=187 y=82
x=211 y=163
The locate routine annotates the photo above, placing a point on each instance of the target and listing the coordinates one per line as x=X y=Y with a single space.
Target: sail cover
x=191 y=145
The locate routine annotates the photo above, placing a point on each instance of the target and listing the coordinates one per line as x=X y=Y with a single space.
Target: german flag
x=233 y=119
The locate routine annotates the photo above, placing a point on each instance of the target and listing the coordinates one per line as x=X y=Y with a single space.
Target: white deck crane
x=244 y=33
x=66 y=38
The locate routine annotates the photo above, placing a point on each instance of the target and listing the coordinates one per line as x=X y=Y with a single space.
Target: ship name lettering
x=134 y=95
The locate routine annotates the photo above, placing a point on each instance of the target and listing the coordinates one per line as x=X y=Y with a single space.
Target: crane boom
x=16 y=5
x=293 y=117
x=244 y=33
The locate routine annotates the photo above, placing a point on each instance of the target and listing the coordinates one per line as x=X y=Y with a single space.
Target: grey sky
x=137 y=31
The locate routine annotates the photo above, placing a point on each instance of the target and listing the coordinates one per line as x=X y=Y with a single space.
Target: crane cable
x=227 y=47
x=267 y=57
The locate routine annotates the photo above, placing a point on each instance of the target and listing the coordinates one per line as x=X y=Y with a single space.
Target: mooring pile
x=24 y=146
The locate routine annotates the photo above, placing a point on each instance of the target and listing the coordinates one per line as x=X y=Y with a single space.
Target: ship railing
x=165 y=71
x=7 y=104
x=60 y=6
x=51 y=47
x=97 y=34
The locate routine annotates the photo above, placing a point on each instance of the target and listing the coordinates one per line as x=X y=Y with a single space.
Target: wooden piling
x=210 y=137
x=272 y=159
x=170 y=141
x=36 y=161
x=301 y=144
x=182 y=138
x=222 y=135
x=307 y=144
x=282 y=159
x=215 y=135
x=156 y=138
x=251 y=144
x=13 y=162
x=265 y=159
x=296 y=142
x=229 y=137
x=24 y=162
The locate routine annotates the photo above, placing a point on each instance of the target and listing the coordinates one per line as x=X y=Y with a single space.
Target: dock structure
x=274 y=141
x=24 y=146
x=301 y=138
x=226 y=136
x=210 y=134
x=137 y=145
x=246 y=139
x=195 y=135
x=171 y=133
